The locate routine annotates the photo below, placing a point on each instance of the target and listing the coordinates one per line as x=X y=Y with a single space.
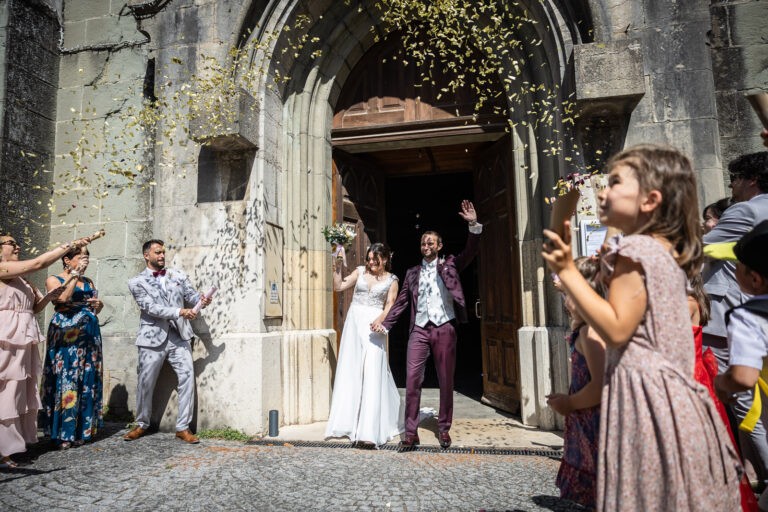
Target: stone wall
x=739 y=44
x=678 y=107
x=29 y=66
x=116 y=53
x=101 y=75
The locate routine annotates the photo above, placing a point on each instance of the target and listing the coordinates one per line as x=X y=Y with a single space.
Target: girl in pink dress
x=20 y=365
x=662 y=443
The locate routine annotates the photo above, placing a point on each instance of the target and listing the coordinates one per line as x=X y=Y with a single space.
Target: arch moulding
x=295 y=157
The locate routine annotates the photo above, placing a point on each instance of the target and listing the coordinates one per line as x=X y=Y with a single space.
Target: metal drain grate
x=422 y=449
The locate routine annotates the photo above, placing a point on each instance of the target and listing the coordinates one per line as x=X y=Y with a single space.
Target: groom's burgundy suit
x=440 y=340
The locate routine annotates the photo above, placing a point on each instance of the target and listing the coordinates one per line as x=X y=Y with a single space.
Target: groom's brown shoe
x=135 y=434
x=445 y=440
x=186 y=435
x=408 y=443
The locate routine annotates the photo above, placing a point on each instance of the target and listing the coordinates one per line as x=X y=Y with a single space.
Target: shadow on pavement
x=22 y=472
x=556 y=503
x=45 y=445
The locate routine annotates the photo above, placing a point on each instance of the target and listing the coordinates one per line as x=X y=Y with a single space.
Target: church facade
x=335 y=129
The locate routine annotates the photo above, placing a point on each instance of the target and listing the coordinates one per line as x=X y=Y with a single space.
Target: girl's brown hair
x=589 y=268
x=666 y=169
x=701 y=297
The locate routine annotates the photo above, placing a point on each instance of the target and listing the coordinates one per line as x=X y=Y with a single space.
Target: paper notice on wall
x=273 y=271
x=591 y=237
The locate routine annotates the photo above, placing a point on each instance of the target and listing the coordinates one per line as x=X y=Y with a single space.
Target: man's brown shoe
x=135 y=434
x=186 y=435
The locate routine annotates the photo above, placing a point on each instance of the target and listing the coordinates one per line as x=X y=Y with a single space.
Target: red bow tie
x=158 y=273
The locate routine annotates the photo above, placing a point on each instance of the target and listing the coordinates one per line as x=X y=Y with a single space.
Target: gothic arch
x=299 y=147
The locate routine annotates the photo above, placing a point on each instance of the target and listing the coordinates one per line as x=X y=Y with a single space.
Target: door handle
x=478 y=309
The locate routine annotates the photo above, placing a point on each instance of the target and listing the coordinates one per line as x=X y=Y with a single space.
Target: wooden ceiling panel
x=429 y=160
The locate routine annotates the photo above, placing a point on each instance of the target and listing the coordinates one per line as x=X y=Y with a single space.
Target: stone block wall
x=101 y=71
x=679 y=106
x=739 y=43
x=110 y=62
x=67 y=97
x=29 y=67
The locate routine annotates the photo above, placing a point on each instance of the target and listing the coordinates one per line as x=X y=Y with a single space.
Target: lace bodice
x=376 y=297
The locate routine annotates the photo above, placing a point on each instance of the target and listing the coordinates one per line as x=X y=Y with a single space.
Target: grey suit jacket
x=159 y=308
x=719 y=276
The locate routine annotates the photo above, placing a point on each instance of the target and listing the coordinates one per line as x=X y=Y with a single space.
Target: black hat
x=752 y=249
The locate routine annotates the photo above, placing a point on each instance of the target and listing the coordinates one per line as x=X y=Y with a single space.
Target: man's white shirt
x=747 y=338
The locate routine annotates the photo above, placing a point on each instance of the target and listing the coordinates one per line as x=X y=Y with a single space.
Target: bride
x=366 y=405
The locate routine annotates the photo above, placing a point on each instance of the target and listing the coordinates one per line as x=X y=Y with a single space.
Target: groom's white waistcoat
x=160 y=306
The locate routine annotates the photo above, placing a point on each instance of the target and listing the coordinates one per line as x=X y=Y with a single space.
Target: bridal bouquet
x=339 y=236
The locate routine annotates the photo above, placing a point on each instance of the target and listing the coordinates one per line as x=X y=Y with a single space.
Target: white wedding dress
x=366 y=404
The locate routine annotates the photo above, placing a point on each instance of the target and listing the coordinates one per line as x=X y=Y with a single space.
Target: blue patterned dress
x=577 y=477
x=72 y=376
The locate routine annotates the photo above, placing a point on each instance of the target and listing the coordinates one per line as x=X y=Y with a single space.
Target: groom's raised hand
x=468 y=212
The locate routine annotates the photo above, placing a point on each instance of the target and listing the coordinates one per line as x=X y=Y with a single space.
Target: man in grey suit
x=164 y=333
x=749 y=185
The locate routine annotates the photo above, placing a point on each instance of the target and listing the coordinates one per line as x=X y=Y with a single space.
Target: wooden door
x=499 y=306
x=358 y=200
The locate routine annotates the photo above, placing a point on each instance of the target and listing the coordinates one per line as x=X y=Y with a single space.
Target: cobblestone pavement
x=159 y=472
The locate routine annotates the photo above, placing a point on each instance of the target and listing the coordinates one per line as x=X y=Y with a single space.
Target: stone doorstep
x=474 y=425
x=506 y=433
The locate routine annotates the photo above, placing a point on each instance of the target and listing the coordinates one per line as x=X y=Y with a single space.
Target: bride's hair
x=382 y=252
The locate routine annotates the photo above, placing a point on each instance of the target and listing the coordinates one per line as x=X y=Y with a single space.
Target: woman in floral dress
x=72 y=376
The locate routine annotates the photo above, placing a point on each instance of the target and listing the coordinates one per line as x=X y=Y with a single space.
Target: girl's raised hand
x=557 y=251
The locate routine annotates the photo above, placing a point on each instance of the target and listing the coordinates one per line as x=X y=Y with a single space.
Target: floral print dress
x=577 y=477
x=72 y=376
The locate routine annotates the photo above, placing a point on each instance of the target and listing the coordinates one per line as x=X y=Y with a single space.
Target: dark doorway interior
x=432 y=202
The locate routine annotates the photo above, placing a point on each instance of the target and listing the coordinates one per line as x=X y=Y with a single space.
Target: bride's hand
x=376 y=326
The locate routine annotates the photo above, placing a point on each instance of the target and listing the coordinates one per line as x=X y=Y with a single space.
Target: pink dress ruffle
x=20 y=366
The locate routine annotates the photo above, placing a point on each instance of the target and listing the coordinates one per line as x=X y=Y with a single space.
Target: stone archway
x=295 y=155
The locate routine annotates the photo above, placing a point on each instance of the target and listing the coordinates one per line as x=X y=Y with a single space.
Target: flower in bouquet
x=339 y=236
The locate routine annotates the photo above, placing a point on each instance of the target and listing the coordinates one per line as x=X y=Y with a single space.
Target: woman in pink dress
x=20 y=365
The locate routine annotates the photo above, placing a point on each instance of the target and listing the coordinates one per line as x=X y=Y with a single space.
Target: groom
x=433 y=291
x=164 y=333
